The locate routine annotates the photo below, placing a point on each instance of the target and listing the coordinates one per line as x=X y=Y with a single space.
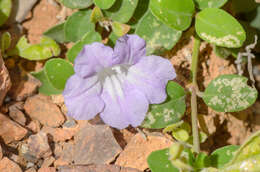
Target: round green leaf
x=45 y=49
x=220 y=28
x=223 y=155
x=201 y=4
x=56 y=33
x=5 y=10
x=104 y=4
x=46 y=87
x=158 y=161
x=77 y=25
x=158 y=36
x=58 y=71
x=122 y=10
x=76 y=3
x=175 y=13
x=170 y=111
x=229 y=93
x=78 y=46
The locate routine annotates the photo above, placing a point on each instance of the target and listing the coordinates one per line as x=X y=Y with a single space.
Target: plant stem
x=194 y=113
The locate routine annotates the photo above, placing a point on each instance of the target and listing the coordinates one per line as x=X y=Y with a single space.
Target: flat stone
x=5 y=82
x=10 y=130
x=34 y=126
x=16 y=114
x=41 y=108
x=47 y=169
x=96 y=168
x=93 y=144
x=23 y=84
x=48 y=161
x=6 y=165
x=36 y=148
x=31 y=170
x=138 y=149
x=59 y=134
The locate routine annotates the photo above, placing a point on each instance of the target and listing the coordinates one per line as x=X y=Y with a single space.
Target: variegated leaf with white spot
x=159 y=37
x=168 y=112
x=229 y=93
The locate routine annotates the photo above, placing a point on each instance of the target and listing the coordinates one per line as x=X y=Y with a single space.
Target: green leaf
x=56 y=33
x=5 y=41
x=223 y=155
x=122 y=10
x=120 y=29
x=46 y=87
x=112 y=39
x=254 y=18
x=220 y=28
x=247 y=157
x=78 y=46
x=159 y=37
x=104 y=4
x=229 y=93
x=58 y=71
x=201 y=4
x=168 y=112
x=5 y=10
x=202 y=160
x=224 y=52
x=158 y=161
x=175 y=13
x=140 y=10
x=77 y=25
x=45 y=49
x=242 y=6
x=96 y=15
x=73 y=4
x=182 y=132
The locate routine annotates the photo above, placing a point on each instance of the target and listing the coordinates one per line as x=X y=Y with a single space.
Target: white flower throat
x=112 y=79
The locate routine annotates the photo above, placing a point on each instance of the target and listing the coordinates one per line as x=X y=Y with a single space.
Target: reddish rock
x=34 y=126
x=16 y=114
x=59 y=134
x=1 y=152
x=48 y=161
x=6 y=165
x=31 y=170
x=138 y=149
x=23 y=84
x=5 y=82
x=96 y=168
x=36 y=148
x=92 y=144
x=47 y=169
x=41 y=108
x=10 y=130
x=60 y=162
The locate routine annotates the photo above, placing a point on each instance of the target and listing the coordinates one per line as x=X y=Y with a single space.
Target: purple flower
x=119 y=84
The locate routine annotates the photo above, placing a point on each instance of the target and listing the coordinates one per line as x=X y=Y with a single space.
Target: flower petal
x=151 y=75
x=82 y=97
x=93 y=58
x=125 y=109
x=129 y=49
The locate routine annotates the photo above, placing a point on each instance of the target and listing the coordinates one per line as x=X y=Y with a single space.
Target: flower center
x=112 y=79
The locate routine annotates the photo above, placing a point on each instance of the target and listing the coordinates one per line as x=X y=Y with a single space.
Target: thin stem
x=194 y=112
